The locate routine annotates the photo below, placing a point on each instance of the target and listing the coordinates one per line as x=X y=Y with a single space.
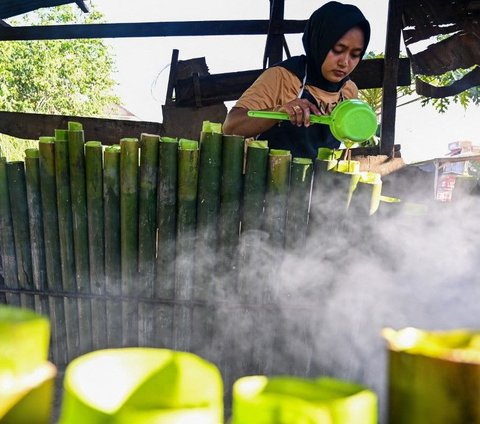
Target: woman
x=335 y=39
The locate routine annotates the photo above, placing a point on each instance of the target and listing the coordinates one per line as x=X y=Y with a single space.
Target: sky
x=143 y=63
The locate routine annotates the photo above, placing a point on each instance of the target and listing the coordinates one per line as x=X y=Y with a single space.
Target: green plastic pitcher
x=352 y=121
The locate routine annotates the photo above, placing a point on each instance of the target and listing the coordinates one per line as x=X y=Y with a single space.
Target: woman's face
x=344 y=56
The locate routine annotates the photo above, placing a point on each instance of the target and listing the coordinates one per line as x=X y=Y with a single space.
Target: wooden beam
x=149 y=29
x=389 y=99
x=31 y=126
x=230 y=86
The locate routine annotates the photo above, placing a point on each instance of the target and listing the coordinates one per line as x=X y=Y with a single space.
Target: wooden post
x=274 y=46
x=389 y=99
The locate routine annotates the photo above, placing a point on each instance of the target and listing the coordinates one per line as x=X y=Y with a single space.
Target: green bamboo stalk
x=35 y=220
x=167 y=224
x=208 y=205
x=188 y=155
x=76 y=155
x=278 y=175
x=255 y=185
x=65 y=232
x=129 y=235
x=298 y=202
x=209 y=179
x=96 y=239
x=147 y=210
x=46 y=147
x=18 y=201
x=230 y=198
x=7 y=247
x=253 y=269
x=113 y=280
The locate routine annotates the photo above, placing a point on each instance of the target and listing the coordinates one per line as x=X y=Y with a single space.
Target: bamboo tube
x=147 y=233
x=208 y=204
x=328 y=200
x=46 y=147
x=7 y=248
x=278 y=175
x=433 y=376
x=298 y=202
x=35 y=220
x=230 y=201
x=166 y=222
x=96 y=239
x=188 y=154
x=129 y=236
x=253 y=217
x=18 y=202
x=76 y=155
x=113 y=280
x=65 y=232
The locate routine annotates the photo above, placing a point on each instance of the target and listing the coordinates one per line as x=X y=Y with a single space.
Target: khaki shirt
x=277 y=86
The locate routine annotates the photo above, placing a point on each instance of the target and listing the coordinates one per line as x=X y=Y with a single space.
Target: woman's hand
x=299 y=111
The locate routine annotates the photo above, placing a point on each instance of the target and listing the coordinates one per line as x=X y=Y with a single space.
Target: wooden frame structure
x=387 y=76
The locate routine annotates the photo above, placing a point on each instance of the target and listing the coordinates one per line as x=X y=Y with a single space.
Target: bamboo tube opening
x=32 y=153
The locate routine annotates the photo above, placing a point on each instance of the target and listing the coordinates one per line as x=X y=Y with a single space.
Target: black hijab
x=324 y=28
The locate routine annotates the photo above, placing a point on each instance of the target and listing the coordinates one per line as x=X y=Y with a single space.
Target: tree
x=57 y=76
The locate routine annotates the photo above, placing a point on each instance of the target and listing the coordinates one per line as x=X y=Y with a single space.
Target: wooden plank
x=150 y=29
x=391 y=68
x=230 y=86
x=31 y=126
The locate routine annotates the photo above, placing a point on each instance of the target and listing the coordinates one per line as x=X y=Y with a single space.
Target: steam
x=324 y=305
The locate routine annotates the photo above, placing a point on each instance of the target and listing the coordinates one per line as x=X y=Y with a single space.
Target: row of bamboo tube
x=108 y=240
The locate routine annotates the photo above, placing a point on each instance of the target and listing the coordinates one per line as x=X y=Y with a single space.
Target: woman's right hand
x=299 y=111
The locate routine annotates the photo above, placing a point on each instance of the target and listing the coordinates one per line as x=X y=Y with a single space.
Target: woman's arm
x=239 y=123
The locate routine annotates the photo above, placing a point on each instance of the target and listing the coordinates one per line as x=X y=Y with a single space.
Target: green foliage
x=373 y=96
x=57 y=76
x=465 y=98
x=14 y=148
x=65 y=77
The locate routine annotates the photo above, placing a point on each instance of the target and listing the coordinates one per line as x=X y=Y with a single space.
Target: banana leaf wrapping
x=26 y=377
x=286 y=399
x=142 y=385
